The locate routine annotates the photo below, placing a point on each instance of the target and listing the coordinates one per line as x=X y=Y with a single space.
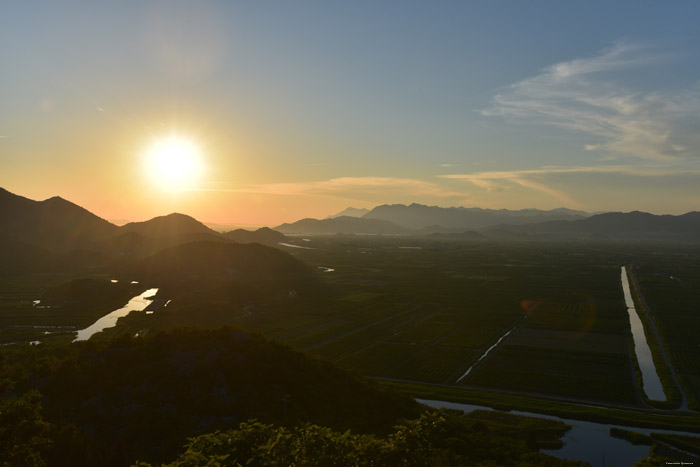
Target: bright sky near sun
x=258 y=113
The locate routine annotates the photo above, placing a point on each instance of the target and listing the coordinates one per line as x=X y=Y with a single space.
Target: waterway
x=586 y=441
x=139 y=302
x=650 y=379
x=289 y=245
x=484 y=355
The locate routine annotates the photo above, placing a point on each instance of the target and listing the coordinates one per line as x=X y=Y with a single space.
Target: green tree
x=24 y=435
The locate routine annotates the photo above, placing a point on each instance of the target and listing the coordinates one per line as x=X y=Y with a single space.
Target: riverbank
x=584 y=411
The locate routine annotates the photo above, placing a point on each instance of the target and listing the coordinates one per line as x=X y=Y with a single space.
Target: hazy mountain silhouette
x=418 y=216
x=54 y=224
x=350 y=212
x=171 y=225
x=632 y=225
x=264 y=235
x=343 y=224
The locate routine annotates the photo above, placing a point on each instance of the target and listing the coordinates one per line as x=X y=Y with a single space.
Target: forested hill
x=113 y=403
x=247 y=401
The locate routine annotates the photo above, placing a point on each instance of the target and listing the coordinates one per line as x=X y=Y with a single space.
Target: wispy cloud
x=581 y=95
x=540 y=179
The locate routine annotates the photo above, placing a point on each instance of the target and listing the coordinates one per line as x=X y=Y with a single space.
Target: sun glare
x=174 y=162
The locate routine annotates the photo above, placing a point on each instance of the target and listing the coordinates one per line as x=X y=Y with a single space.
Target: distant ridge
x=422 y=219
x=343 y=224
x=350 y=212
x=172 y=224
x=419 y=216
x=264 y=235
x=617 y=225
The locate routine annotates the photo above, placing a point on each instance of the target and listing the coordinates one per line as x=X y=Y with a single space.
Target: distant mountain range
x=503 y=224
x=418 y=218
x=633 y=225
x=57 y=234
x=350 y=212
x=342 y=224
x=264 y=235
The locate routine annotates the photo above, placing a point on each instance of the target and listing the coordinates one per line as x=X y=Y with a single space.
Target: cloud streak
x=535 y=179
x=581 y=95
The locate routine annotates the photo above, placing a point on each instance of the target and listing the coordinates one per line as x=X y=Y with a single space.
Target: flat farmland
x=427 y=313
x=670 y=286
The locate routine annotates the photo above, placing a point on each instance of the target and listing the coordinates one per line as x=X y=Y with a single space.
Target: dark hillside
x=54 y=224
x=17 y=257
x=247 y=263
x=174 y=224
x=264 y=235
x=135 y=399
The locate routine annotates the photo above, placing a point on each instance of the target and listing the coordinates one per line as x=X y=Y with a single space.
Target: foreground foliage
x=434 y=439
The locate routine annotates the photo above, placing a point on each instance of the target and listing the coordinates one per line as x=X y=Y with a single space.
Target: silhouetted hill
x=619 y=225
x=264 y=235
x=174 y=224
x=350 y=212
x=115 y=402
x=343 y=224
x=54 y=224
x=418 y=216
x=216 y=262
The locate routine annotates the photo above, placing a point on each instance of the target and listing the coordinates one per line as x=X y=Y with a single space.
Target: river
x=586 y=441
x=650 y=379
x=139 y=302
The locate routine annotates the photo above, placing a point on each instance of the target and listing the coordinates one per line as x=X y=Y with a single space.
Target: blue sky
x=304 y=108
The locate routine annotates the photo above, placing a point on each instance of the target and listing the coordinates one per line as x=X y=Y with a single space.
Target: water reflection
x=650 y=379
x=586 y=441
x=110 y=320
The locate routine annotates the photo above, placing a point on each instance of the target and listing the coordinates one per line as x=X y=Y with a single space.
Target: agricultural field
x=422 y=310
x=670 y=285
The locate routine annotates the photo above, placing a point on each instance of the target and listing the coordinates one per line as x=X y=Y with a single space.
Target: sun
x=174 y=162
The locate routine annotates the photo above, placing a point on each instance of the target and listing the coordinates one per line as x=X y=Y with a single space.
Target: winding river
x=586 y=441
x=139 y=302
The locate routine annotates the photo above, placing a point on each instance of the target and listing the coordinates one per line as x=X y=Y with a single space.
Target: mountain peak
x=351 y=212
x=169 y=225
